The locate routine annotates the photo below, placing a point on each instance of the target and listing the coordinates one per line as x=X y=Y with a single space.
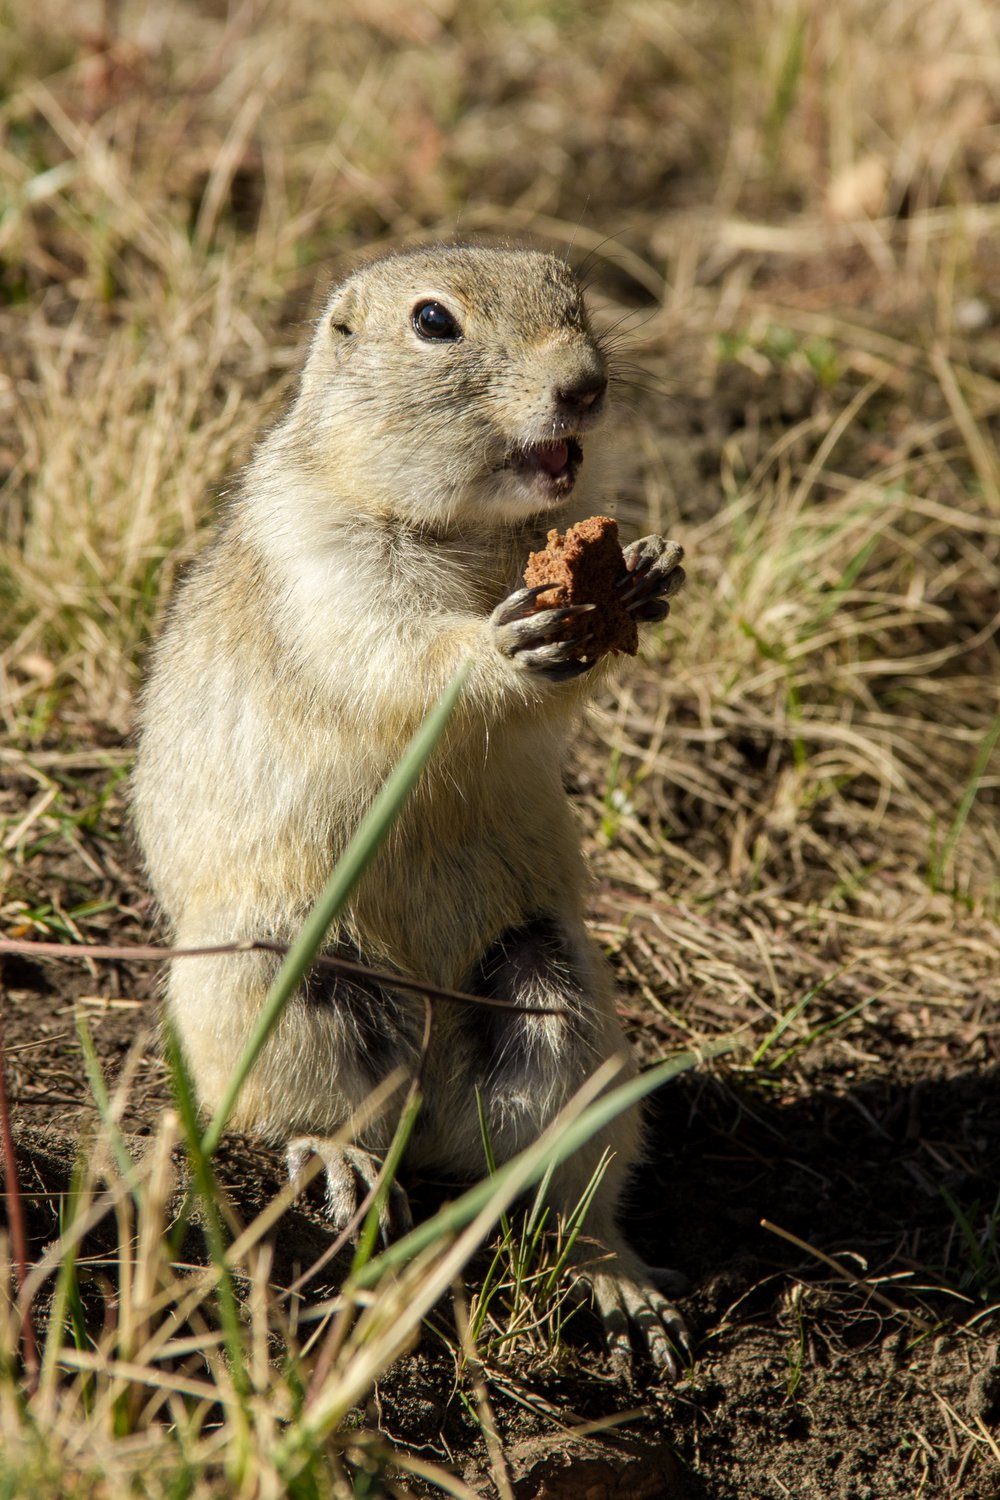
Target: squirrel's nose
x=583 y=393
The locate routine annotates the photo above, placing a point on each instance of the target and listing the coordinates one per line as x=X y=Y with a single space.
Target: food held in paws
x=586 y=566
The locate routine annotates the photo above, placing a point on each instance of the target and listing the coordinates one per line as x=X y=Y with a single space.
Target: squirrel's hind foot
x=625 y=1297
x=351 y=1181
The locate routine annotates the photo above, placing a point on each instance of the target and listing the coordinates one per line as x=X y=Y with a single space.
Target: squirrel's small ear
x=340 y=314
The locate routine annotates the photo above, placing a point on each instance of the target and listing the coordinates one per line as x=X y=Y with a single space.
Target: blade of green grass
x=208 y=1192
x=369 y=1230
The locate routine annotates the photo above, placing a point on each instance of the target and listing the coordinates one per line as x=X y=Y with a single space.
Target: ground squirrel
x=375 y=543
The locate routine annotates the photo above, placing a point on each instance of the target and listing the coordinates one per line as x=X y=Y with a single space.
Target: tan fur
x=375 y=532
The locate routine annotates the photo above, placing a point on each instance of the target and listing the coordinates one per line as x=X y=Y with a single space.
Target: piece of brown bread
x=586 y=566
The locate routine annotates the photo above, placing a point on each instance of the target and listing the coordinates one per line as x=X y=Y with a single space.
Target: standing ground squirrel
x=376 y=543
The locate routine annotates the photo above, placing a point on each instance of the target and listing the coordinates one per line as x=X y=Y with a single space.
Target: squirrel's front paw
x=654 y=576
x=547 y=642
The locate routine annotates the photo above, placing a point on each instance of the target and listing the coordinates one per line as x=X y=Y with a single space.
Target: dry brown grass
x=788 y=214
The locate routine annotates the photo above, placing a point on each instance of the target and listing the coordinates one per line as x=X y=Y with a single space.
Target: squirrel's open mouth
x=553 y=464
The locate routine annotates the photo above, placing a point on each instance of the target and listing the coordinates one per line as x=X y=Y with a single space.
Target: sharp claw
x=665 y=588
x=632 y=578
x=552 y=619
x=614 y=1320
x=633 y=585
x=554 y=652
x=541 y=644
x=547 y=625
x=651 y=612
x=566 y=671
x=568 y=613
x=519 y=605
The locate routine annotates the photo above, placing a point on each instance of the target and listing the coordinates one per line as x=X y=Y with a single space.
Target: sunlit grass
x=787 y=214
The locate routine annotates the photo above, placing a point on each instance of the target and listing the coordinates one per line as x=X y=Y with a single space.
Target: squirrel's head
x=453 y=383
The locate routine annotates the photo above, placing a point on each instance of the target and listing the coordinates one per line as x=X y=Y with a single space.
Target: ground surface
x=791 y=803
x=877 y=1148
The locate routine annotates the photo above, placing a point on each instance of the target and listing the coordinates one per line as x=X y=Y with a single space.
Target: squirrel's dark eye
x=432 y=321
